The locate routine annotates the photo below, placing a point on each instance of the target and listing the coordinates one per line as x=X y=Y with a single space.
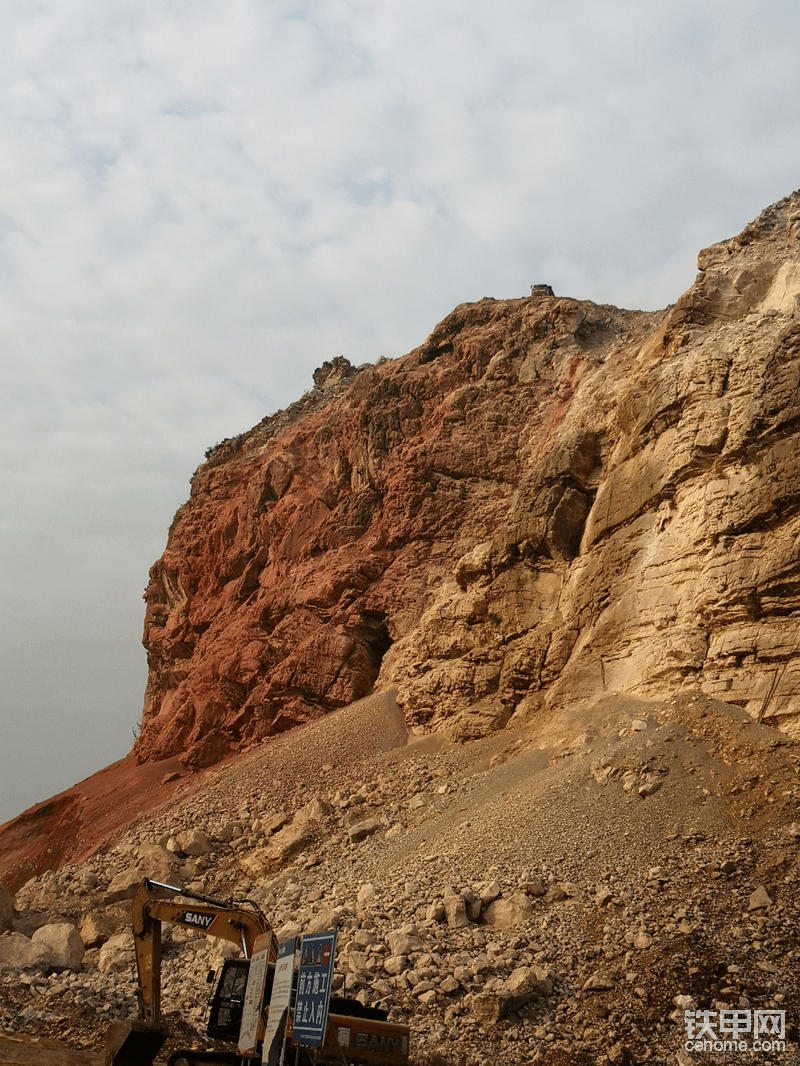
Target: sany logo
x=200 y=921
x=385 y=1044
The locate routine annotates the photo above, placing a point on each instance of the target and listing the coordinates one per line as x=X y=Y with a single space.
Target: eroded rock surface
x=548 y=499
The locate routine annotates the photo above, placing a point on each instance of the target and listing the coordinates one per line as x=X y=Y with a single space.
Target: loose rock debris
x=547 y=909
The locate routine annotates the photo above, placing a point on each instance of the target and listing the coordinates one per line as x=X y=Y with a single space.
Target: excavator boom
x=136 y=1043
x=354 y=1033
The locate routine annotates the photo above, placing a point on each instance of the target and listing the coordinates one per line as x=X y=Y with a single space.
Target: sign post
x=279 y=1004
x=314 y=982
x=253 y=997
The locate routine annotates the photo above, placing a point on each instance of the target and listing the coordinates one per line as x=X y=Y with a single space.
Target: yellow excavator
x=371 y=1040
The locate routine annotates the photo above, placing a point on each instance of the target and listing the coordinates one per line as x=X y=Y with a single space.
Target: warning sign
x=317 y=954
x=279 y=1003
x=257 y=979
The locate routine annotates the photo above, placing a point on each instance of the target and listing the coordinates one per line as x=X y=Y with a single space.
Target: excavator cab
x=226 y=1003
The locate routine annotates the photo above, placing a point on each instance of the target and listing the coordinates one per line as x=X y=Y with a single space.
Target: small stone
x=364 y=829
x=395 y=964
x=759 y=899
x=456 y=912
x=604 y=897
x=366 y=892
x=555 y=894
x=600 y=982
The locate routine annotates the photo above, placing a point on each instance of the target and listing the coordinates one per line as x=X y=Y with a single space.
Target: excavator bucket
x=133 y=1043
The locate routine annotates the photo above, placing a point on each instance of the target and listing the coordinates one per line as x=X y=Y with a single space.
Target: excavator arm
x=239 y=921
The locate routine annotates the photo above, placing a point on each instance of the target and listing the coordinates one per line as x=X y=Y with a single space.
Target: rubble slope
x=547 y=894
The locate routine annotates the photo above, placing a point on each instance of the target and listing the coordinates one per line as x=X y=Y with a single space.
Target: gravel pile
x=560 y=894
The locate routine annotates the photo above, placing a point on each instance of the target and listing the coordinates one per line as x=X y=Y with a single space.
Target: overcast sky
x=203 y=200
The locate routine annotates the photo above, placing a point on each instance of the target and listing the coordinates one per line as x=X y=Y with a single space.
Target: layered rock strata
x=547 y=499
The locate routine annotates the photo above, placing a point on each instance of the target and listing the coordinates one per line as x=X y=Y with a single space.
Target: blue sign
x=317 y=955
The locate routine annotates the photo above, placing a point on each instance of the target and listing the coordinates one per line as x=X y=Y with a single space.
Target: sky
x=203 y=200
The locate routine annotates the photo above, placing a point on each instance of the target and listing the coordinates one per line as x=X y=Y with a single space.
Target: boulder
x=356 y=962
x=117 y=954
x=96 y=928
x=287 y=931
x=759 y=900
x=19 y=953
x=362 y=830
x=404 y=943
x=488 y=891
x=365 y=893
x=124 y=884
x=326 y=919
x=314 y=811
x=64 y=943
x=289 y=841
x=194 y=842
x=257 y=863
x=456 y=912
x=274 y=822
x=157 y=863
x=555 y=894
x=599 y=982
x=395 y=964
x=436 y=911
x=509 y=913
x=528 y=981
x=489 y=1007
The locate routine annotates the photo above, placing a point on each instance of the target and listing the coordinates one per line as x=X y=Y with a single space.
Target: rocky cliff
x=547 y=500
x=566 y=533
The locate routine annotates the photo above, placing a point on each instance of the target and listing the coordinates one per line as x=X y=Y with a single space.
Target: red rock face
x=315 y=541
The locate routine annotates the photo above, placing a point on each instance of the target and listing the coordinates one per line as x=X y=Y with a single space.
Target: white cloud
x=200 y=201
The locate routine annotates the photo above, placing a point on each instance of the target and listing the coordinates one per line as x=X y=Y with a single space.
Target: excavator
x=355 y=1035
